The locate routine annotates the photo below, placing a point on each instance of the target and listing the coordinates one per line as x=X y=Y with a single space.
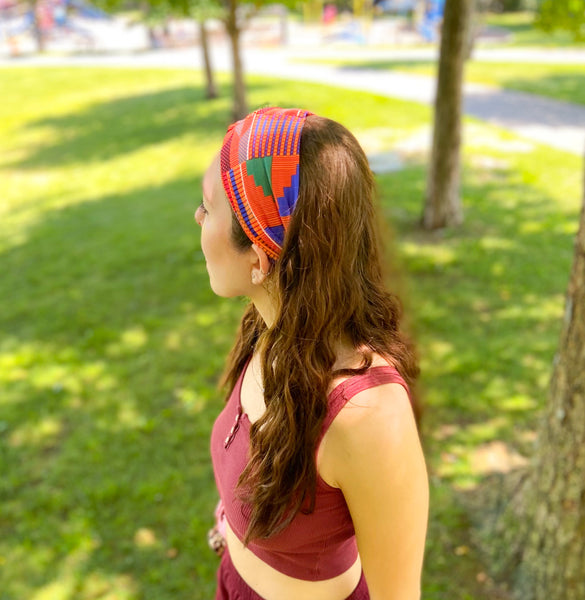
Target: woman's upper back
x=314 y=546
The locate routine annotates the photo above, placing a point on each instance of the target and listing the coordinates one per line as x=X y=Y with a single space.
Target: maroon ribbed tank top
x=315 y=546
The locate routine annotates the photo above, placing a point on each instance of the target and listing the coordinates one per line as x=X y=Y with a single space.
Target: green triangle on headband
x=261 y=170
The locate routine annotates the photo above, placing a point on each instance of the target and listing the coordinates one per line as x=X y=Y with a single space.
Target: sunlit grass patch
x=489 y=296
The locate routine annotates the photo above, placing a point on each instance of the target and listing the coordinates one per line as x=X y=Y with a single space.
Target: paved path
x=557 y=124
x=551 y=122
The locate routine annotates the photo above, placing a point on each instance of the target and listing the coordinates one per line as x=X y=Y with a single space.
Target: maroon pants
x=231 y=586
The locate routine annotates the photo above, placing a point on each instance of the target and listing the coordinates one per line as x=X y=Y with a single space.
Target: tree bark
x=553 y=561
x=210 y=87
x=443 y=204
x=240 y=106
x=537 y=541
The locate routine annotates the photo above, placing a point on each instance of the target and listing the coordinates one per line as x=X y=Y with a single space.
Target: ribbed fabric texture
x=317 y=546
x=260 y=173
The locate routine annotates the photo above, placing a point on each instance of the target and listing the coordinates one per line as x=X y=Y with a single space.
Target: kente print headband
x=260 y=173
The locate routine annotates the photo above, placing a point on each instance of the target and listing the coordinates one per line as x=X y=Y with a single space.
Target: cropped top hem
x=298 y=569
x=315 y=546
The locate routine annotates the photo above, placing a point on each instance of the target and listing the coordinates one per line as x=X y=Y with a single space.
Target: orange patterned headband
x=260 y=173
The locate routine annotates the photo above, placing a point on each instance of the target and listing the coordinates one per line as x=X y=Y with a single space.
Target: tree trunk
x=443 y=204
x=553 y=561
x=38 y=32
x=240 y=107
x=210 y=88
x=538 y=540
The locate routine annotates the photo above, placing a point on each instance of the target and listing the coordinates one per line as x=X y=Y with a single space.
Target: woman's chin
x=222 y=291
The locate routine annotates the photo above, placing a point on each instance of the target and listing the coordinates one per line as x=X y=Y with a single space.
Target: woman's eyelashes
x=202 y=207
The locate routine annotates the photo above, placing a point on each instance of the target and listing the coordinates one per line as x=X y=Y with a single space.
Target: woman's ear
x=260 y=265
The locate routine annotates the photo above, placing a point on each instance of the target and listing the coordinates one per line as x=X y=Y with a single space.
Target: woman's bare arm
x=374 y=455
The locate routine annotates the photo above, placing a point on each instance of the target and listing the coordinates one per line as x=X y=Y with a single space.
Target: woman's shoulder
x=376 y=426
x=355 y=360
x=378 y=418
x=382 y=405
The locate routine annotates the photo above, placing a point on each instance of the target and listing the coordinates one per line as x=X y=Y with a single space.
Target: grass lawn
x=525 y=33
x=112 y=341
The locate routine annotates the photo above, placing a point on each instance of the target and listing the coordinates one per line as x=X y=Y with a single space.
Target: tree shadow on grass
x=106 y=130
x=386 y=65
x=109 y=129
x=570 y=87
x=114 y=343
x=504 y=275
x=487 y=300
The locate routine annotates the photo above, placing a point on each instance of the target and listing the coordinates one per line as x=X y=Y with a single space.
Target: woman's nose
x=199 y=216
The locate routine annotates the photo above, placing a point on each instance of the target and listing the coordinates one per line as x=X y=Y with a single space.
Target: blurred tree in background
x=237 y=15
x=563 y=14
x=443 y=203
x=201 y=11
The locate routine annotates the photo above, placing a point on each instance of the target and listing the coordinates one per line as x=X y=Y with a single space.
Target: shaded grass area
x=112 y=341
x=487 y=300
x=560 y=82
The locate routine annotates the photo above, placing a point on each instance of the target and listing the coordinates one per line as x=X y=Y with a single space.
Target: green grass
x=524 y=32
x=112 y=341
x=560 y=82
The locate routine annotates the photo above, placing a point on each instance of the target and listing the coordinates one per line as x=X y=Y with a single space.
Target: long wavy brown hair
x=328 y=286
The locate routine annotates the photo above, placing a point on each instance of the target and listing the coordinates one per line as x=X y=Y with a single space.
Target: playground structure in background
x=29 y=26
x=430 y=25
x=47 y=22
x=423 y=16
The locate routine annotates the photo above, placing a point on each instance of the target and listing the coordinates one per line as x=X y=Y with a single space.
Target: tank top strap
x=346 y=390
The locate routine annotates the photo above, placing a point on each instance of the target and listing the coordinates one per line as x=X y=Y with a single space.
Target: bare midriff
x=273 y=585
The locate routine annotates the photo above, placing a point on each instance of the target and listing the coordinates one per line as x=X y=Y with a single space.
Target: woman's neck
x=265 y=305
x=347 y=356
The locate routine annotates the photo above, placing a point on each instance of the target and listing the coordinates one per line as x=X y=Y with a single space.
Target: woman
x=316 y=455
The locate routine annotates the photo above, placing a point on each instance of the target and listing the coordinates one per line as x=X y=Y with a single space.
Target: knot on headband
x=260 y=173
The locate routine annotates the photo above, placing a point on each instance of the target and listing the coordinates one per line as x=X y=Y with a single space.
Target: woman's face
x=229 y=268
